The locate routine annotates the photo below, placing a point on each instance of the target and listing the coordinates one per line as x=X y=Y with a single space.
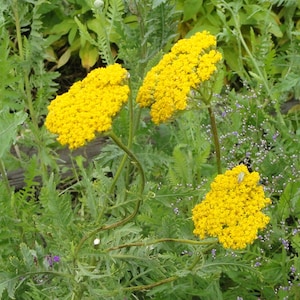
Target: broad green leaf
x=64 y=58
x=191 y=8
x=283 y=205
x=89 y=55
x=289 y=200
x=296 y=243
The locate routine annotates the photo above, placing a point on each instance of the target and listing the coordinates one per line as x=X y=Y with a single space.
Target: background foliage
x=48 y=249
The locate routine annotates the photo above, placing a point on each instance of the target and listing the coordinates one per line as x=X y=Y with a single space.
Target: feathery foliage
x=119 y=226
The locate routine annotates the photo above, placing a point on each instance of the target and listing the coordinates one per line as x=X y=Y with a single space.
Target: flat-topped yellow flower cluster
x=89 y=106
x=167 y=85
x=231 y=211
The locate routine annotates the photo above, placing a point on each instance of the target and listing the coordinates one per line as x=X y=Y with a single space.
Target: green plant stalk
x=142 y=30
x=206 y=97
x=138 y=203
x=4 y=177
x=216 y=138
x=149 y=286
x=241 y=38
x=261 y=75
x=162 y=240
x=172 y=278
x=124 y=159
x=26 y=79
x=129 y=144
x=29 y=102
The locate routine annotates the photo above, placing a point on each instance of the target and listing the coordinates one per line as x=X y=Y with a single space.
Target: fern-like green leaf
x=114 y=14
x=8 y=128
x=9 y=284
x=28 y=255
x=180 y=173
x=57 y=206
x=84 y=32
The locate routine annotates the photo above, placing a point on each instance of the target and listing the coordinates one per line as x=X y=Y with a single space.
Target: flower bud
x=97 y=242
x=98 y=3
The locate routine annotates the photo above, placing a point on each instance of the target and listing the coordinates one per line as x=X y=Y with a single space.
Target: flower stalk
x=136 y=162
x=215 y=138
x=163 y=240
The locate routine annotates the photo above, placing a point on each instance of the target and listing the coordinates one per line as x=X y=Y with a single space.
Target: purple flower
x=52 y=259
x=56 y=258
x=293 y=269
x=285 y=243
x=213 y=253
x=275 y=135
x=257 y=264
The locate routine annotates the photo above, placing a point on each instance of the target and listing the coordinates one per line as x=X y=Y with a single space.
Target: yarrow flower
x=231 y=211
x=89 y=106
x=167 y=86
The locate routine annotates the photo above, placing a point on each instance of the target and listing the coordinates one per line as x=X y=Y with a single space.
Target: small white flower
x=96 y=242
x=98 y=3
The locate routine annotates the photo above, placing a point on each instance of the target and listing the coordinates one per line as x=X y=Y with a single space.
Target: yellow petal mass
x=231 y=210
x=89 y=106
x=166 y=86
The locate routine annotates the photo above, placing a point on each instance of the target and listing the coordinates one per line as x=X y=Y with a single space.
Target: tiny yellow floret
x=167 y=86
x=231 y=210
x=89 y=106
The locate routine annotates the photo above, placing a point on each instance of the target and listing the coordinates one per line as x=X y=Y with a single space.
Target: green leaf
x=3 y=285
x=157 y=3
x=9 y=284
x=191 y=8
x=8 y=128
x=89 y=55
x=28 y=255
x=64 y=58
x=58 y=206
x=289 y=200
x=296 y=243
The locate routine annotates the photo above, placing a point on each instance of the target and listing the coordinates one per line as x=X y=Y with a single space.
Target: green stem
x=216 y=138
x=129 y=144
x=4 y=176
x=27 y=88
x=254 y=62
x=21 y=53
x=117 y=174
x=172 y=278
x=138 y=203
x=196 y=261
x=235 y=17
x=149 y=286
x=162 y=240
x=143 y=49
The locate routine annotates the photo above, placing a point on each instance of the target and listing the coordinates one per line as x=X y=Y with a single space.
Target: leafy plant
x=120 y=225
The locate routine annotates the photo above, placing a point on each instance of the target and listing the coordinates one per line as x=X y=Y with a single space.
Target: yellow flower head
x=231 y=211
x=166 y=87
x=89 y=106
